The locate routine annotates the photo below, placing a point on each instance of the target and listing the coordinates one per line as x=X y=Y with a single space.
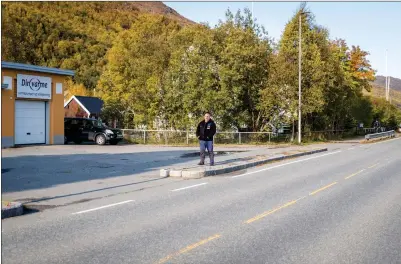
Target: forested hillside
x=378 y=90
x=395 y=83
x=71 y=35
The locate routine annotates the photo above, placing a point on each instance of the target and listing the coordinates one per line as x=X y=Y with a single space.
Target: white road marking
x=285 y=164
x=351 y=148
x=102 y=207
x=192 y=186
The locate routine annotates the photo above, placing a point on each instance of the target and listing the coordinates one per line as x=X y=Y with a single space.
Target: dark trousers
x=209 y=146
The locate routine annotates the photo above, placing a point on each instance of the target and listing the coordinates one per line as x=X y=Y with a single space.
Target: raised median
x=196 y=172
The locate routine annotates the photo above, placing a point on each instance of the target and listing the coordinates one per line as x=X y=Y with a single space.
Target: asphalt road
x=58 y=175
x=343 y=206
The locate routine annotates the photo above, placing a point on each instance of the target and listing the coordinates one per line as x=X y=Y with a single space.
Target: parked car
x=79 y=130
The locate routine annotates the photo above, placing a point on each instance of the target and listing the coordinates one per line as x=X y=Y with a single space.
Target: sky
x=374 y=26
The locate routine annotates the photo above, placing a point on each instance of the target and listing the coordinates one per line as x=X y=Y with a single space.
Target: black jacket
x=205 y=131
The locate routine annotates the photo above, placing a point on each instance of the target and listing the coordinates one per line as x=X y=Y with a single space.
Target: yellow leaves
x=72 y=88
x=360 y=65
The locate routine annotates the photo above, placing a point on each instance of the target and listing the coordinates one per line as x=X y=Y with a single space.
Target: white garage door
x=30 y=122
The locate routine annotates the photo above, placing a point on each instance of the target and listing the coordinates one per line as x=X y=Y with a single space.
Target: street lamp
x=299 y=75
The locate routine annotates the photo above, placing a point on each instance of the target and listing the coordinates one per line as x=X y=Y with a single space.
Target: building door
x=30 y=122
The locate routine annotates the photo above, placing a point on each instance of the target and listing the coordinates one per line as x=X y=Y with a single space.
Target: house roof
x=29 y=67
x=90 y=104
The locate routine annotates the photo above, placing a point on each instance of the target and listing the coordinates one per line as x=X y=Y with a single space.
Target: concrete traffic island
x=197 y=172
x=10 y=209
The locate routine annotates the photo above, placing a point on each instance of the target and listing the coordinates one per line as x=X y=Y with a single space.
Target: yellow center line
x=272 y=211
x=188 y=248
x=356 y=173
x=374 y=165
x=323 y=188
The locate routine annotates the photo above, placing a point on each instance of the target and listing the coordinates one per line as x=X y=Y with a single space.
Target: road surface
x=343 y=206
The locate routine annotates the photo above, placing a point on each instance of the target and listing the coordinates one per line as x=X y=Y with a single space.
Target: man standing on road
x=205 y=132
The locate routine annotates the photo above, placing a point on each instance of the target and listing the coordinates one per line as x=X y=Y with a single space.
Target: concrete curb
x=193 y=174
x=199 y=173
x=15 y=209
x=374 y=140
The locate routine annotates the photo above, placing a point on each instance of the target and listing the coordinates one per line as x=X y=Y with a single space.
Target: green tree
x=220 y=70
x=136 y=63
x=349 y=73
x=244 y=57
x=283 y=83
x=386 y=113
x=192 y=80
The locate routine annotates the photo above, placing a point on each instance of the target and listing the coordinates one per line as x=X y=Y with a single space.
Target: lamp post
x=299 y=78
x=299 y=74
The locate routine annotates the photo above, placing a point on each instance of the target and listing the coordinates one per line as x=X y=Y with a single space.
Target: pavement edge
x=14 y=209
x=196 y=174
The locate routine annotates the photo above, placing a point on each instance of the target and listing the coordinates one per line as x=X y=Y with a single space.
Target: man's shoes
x=201 y=163
x=211 y=164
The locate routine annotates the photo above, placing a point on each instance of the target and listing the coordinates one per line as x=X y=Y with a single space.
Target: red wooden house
x=83 y=106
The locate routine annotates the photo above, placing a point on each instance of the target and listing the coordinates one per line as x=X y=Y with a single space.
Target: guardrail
x=390 y=133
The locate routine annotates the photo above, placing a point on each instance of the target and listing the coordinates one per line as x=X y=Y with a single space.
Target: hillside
x=395 y=83
x=160 y=9
x=378 y=89
x=72 y=35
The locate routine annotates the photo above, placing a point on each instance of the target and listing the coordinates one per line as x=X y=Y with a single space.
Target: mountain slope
x=72 y=35
x=395 y=83
x=161 y=9
x=378 y=89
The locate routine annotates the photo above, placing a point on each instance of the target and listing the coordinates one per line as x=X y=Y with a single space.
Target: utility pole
x=387 y=93
x=388 y=84
x=299 y=78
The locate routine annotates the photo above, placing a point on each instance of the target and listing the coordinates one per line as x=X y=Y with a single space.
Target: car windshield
x=98 y=123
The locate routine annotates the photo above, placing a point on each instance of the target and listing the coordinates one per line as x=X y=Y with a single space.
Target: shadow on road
x=86 y=192
x=23 y=173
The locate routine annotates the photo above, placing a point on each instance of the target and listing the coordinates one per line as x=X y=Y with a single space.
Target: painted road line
x=354 y=174
x=188 y=248
x=374 y=165
x=192 y=186
x=323 y=188
x=285 y=164
x=272 y=211
x=102 y=207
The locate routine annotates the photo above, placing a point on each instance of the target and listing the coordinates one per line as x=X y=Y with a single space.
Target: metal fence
x=168 y=137
x=189 y=137
x=374 y=130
